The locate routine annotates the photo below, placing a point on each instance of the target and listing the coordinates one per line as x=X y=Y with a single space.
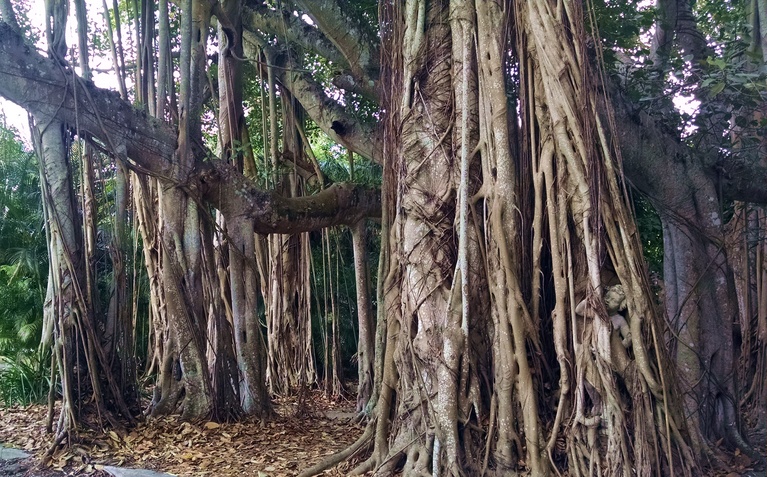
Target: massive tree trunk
x=500 y=226
x=504 y=210
x=700 y=302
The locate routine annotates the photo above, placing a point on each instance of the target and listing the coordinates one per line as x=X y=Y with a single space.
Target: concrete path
x=7 y=453
x=14 y=462
x=11 y=456
x=122 y=472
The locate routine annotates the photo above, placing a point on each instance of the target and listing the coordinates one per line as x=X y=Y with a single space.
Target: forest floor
x=282 y=446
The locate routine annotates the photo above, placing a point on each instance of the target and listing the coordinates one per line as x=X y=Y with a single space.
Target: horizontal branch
x=339 y=204
x=659 y=163
x=50 y=91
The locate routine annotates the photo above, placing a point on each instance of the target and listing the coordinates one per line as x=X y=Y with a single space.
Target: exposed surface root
x=345 y=454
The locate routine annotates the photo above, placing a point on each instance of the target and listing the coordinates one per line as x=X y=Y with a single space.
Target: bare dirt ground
x=280 y=447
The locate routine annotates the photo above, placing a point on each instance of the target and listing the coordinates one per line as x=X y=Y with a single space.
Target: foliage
x=24 y=371
x=334 y=161
x=338 y=263
x=23 y=255
x=621 y=22
x=651 y=233
x=25 y=380
x=738 y=91
x=336 y=266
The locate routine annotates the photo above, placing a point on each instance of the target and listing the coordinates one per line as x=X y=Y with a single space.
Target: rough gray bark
x=147 y=145
x=357 y=45
x=243 y=278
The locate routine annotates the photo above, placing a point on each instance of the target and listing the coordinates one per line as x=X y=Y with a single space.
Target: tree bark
x=365 y=342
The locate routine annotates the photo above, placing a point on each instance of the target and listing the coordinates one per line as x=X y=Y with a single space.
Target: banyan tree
x=517 y=329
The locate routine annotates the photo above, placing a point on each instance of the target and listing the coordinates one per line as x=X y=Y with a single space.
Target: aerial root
x=737 y=439
x=60 y=436
x=418 y=459
x=336 y=459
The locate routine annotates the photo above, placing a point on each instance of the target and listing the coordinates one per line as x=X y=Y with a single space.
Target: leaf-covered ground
x=282 y=446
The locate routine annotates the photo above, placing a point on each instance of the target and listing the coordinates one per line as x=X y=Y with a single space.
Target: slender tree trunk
x=290 y=363
x=120 y=332
x=243 y=278
x=181 y=237
x=147 y=222
x=62 y=248
x=365 y=343
x=249 y=342
x=222 y=359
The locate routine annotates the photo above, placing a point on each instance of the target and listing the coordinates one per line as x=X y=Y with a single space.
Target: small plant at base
x=24 y=380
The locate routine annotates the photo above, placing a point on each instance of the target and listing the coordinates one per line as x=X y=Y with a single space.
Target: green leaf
x=719 y=63
x=716 y=89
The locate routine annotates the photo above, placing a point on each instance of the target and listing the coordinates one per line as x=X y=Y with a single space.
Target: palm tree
x=23 y=257
x=23 y=271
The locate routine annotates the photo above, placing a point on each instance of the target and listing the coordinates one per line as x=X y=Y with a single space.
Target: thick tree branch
x=358 y=47
x=656 y=161
x=258 y=17
x=328 y=114
x=676 y=19
x=7 y=14
x=331 y=117
x=51 y=91
x=273 y=213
